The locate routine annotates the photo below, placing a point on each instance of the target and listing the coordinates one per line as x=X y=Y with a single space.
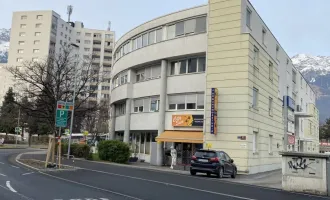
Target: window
x=256 y=57
x=62 y=25
x=88 y=34
x=36 y=42
x=66 y=28
x=120 y=109
x=60 y=41
x=264 y=31
x=35 y=59
x=19 y=59
x=35 y=50
x=271 y=71
x=69 y=31
x=61 y=33
x=21 y=43
x=190 y=26
x=107 y=36
x=248 y=17
x=192 y=65
x=140 y=75
x=159 y=35
x=78 y=33
x=255 y=142
x=179 y=29
x=151 y=37
x=145 y=40
x=270 y=145
x=22 y=34
x=77 y=41
x=20 y=51
x=186 y=101
x=277 y=51
x=38 y=25
x=123 y=79
x=134 y=41
x=138 y=105
x=23 y=25
x=65 y=36
x=64 y=44
x=183 y=67
x=200 y=25
x=270 y=106
x=154 y=104
x=87 y=41
x=87 y=49
x=201 y=64
x=139 y=42
x=39 y=17
x=37 y=33
x=23 y=17
x=255 y=97
x=200 y=101
x=170 y=32
x=294 y=76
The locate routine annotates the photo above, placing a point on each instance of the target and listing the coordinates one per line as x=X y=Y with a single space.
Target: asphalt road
x=96 y=181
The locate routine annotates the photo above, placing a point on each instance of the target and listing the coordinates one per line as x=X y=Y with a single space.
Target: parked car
x=213 y=162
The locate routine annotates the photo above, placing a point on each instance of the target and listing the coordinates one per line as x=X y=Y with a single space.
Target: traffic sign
x=67 y=131
x=18 y=129
x=61 y=118
x=85 y=133
x=63 y=105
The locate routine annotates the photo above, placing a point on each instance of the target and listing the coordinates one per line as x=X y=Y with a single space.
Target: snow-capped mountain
x=4 y=44
x=316 y=70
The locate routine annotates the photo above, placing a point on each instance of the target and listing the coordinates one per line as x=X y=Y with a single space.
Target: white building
x=164 y=73
x=37 y=34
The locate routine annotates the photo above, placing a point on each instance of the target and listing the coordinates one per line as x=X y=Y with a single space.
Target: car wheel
x=193 y=173
x=220 y=173
x=234 y=173
x=208 y=174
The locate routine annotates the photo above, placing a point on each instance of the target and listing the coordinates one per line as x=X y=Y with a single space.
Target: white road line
x=27 y=173
x=90 y=186
x=2 y=174
x=9 y=186
x=171 y=184
x=2 y=163
x=14 y=166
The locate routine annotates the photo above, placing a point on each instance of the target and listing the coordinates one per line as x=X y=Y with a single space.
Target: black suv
x=213 y=162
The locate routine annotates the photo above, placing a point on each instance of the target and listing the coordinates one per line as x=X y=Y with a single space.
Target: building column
x=112 y=122
x=162 y=108
x=127 y=120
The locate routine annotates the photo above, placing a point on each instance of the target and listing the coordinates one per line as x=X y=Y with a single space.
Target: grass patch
x=95 y=157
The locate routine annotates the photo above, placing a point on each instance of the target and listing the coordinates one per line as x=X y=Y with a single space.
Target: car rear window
x=208 y=154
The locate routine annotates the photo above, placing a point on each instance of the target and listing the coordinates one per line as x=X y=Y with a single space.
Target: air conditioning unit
x=299 y=109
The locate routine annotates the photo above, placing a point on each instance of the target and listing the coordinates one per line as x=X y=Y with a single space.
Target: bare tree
x=52 y=80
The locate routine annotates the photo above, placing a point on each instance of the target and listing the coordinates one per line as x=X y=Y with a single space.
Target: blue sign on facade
x=290 y=102
x=214 y=110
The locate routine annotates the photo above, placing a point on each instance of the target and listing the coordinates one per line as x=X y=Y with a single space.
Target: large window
x=138 y=105
x=145 y=40
x=152 y=37
x=120 y=109
x=120 y=79
x=147 y=73
x=154 y=104
x=179 y=29
x=191 y=65
x=148 y=104
x=186 y=101
x=171 y=32
x=248 y=17
x=159 y=35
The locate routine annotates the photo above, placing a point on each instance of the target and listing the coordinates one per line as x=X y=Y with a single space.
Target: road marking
x=2 y=163
x=90 y=186
x=9 y=186
x=27 y=173
x=14 y=166
x=2 y=174
x=171 y=184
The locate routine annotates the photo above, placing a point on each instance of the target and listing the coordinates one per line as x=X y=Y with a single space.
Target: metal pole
x=19 y=114
x=285 y=113
x=72 y=112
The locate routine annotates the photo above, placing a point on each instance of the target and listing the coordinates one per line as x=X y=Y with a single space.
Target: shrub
x=77 y=150
x=114 y=151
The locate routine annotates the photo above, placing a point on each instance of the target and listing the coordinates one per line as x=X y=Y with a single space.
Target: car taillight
x=214 y=159
x=193 y=158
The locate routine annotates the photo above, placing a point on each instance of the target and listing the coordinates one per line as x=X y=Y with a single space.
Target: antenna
x=109 y=25
x=69 y=11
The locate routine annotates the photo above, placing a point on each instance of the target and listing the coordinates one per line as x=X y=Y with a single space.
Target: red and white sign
x=291 y=139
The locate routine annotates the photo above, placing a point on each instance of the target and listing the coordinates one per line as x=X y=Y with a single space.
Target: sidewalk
x=272 y=179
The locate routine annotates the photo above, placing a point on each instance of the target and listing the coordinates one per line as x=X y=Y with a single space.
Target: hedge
x=114 y=151
x=77 y=150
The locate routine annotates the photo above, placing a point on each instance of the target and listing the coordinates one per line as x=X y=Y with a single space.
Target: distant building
x=168 y=72
x=37 y=34
x=6 y=82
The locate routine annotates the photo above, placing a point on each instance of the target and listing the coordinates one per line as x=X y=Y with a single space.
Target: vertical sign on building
x=214 y=110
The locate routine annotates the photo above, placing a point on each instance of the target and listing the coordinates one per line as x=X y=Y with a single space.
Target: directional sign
x=61 y=118
x=85 y=133
x=18 y=129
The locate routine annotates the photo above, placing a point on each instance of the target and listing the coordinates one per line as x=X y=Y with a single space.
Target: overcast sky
x=301 y=26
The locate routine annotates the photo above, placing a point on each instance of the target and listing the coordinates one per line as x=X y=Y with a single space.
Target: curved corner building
x=214 y=77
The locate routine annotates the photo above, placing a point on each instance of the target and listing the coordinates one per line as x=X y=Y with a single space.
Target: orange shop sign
x=187 y=120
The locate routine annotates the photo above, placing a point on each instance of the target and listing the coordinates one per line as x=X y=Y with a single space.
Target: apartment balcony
x=107 y=61
x=96 y=44
x=96 y=53
x=96 y=60
x=107 y=54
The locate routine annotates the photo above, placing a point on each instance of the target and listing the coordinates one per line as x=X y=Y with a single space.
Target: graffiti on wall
x=300 y=163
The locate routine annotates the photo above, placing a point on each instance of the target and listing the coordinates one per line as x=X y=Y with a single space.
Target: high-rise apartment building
x=37 y=34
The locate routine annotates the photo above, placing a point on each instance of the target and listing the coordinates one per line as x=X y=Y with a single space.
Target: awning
x=181 y=136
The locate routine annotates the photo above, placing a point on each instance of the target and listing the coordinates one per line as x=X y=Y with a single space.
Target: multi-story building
x=37 y=34
x=212 y=76
x=6 y=82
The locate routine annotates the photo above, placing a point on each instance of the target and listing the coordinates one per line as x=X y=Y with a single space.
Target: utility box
x=305 y=172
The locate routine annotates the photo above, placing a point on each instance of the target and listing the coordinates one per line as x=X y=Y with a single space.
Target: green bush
x=114 y=151
x=77 y=150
